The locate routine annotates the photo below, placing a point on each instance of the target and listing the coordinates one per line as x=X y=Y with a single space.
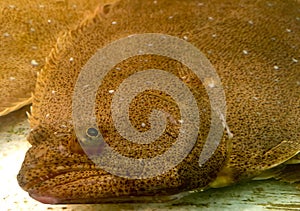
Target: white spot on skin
x=71 y=59
x=11 y=6
x=250 y=22
x=118 y=68
x=34 y=47
x=293 y=46
x=185 y=37
x=111 y=91
x=276 y=67
x=200 y=4
x=114 y=22
x=47 y=115
x=294 y=60
x=180 y=121
x=211 y=85
x=32 y=30
x=143 y=124
x=49 y=21
x=53 y=91
x=5 y=34
x=154 y=2
x=41 y=6
x=183 y=77
x=209 y=51
x=209 y=82
x=288 y=30
x=171 y=17
x=34 y=63
x=245 y=52
x=214 y=35
x=210 y=18
x=12 y=78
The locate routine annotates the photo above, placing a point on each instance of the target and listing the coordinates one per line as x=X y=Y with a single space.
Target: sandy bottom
x=258 y=195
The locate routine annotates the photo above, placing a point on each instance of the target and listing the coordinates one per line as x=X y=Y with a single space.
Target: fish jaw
x=98 y=187
x=98 y=193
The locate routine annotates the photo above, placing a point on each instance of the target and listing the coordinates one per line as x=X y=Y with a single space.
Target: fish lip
x=48 y=199
x=44 y=199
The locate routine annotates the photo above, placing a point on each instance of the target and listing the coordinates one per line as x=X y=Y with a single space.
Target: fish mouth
x=80 y=191
x=47 y=199
x=54 y=175
x=97 y=189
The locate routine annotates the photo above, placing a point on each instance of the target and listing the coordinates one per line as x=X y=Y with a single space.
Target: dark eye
x=92 y=132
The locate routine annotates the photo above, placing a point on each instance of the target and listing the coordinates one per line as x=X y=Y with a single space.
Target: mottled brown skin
x=245 y=42
x=28 y=31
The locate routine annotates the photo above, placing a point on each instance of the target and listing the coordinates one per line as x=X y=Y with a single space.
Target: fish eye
x=92 y=132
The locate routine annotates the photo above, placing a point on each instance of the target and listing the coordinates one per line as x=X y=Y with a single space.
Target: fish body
x=252 y=48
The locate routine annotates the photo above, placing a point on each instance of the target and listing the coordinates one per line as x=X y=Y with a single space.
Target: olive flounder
x=29 y=29
x=254 y=47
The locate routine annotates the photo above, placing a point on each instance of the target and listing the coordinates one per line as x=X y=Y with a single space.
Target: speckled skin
x=254 y=48
x=29 y=29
